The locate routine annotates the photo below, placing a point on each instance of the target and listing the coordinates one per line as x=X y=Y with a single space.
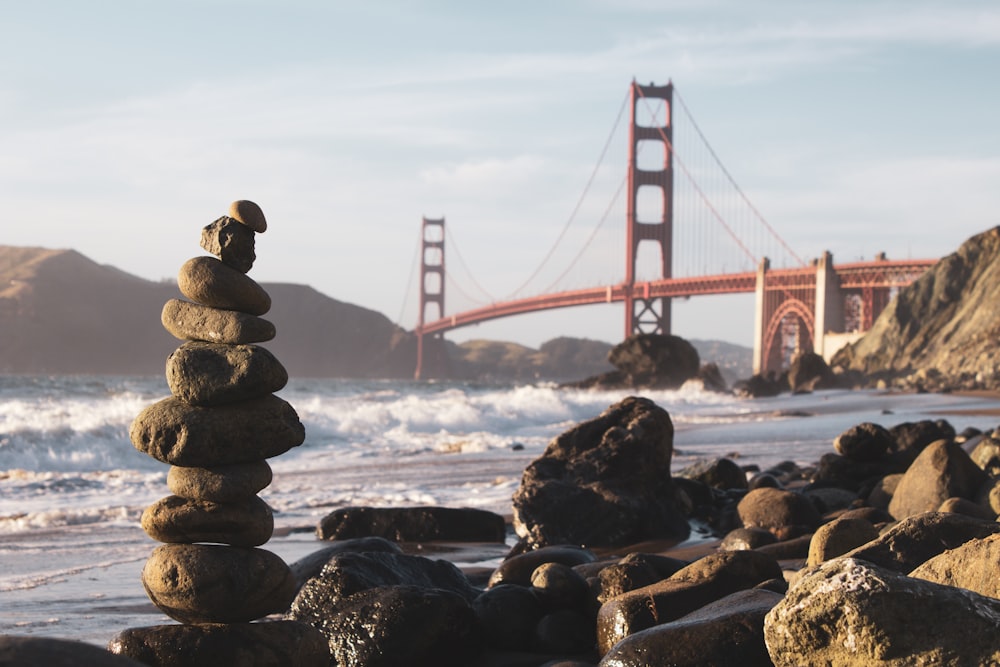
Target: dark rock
x=245 y=523
x=206 y=280
x=508 y=615
x=942 y=470
x=809 y=372
x=655 y=361
x=764 y=480
x=704 y=581
x=413 y=524
x=881 y=493
x=249 y=214
x=310 y=566
x=24 y=651
x=636 y=570
x=777 y=510
x=849 y=612
x=757 y=386
x=559 y=586
x=209 y=374
x=614 y=470
x=911 y=438
x=193 y=321
x=723 y=633
x=402 y=625
x=211 y=645
x=565 y=631
x=349 y=573
x=207 y=583
x=230 y=241
x=986 y=455
x=972 y=566
x=848 y=473
x=721 y=473
x=919 y=538
x=221 y=484
x=830 y=499
x=740 y=539
x=518 y=569
x=838 y=537
x=185 y=435
x=864 y=442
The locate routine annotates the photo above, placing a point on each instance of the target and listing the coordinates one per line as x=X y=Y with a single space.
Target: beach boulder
x=784 y=513
x=605 y=482
x=519 y=568
x=853 y=613
x=972 y=566
x=18 y=651
x=864 y=442
x=413 y=524
x=942 y=470
x=808 y=372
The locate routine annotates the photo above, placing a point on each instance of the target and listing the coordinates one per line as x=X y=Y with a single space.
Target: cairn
x=216 y=430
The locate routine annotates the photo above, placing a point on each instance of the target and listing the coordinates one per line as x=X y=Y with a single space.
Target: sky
x=128 y=125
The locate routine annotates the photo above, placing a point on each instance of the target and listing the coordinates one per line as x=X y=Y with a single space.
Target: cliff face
x=60 y=312
x=944 y=329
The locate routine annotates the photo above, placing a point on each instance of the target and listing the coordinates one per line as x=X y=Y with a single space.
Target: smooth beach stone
x=193 y=321
x=838 y=537
x=186 y=435
x=635 y=571
x=413 y=524
x=202 y=373
x=221 y=484
x=267 y=644
x=776 y=510
x=247 y=212
x=942 y=470
x=210 y=583
x=206 y=280
x=231 y=241
x=518 y=569
x=560 y=586
x=24 y=651
x=247 y=523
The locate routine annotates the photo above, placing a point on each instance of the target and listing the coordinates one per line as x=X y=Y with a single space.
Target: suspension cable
x=409 y=284
x=472 y=279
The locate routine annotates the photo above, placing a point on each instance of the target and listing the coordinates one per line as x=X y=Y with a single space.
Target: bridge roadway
x=878 y=274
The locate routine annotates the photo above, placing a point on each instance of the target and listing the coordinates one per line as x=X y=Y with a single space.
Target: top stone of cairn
x=249 y=214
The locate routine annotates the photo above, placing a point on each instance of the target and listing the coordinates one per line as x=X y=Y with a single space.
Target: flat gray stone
x=221 y=484
x=193 y=321
x=185 y=435
x=206 y=280
x=208 y=374
x=210 y=583
x=246 y=523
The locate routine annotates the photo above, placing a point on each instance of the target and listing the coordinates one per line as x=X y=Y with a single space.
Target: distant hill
x=62 y=313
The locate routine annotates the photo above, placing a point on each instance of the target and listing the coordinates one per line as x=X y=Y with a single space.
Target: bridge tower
x=642 y=313
x=431 y=280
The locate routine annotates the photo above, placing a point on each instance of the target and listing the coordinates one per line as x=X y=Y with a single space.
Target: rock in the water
x=615 y=471
x=704 y=581
x=942 y=470
x=656 y=361
x=519 y=569
x=809 y=372
x=838 y=537
x=238 y=644
x=209 y=374
x=248 y=213
x=403 y=625
x=864 y=442
x=852 y=613
x=206 y=280
x=910 y=438
x=231 y=241
x=209 y=583
x=220 y=484
x=758 y=386
x=778 y=511
x=917 y=539
x=972 y=566
x=185 y=435
x=193 y=321
x=413 y=524
x=25 y=651
x=246 y=523
x=723 y=633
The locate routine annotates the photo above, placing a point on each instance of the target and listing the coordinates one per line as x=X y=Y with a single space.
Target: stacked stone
x=216 y=431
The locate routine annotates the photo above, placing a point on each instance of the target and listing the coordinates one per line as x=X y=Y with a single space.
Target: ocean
x=72 y=487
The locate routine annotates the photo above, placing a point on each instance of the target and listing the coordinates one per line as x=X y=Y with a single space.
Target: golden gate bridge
x=694 y=232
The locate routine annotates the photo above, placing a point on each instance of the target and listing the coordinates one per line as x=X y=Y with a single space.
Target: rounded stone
x=248 y=523
x=221 y=484
x=214 y=644
x=208 y=583
x=560 y=586
x=209 y=282
x=202 y=373
x=186 y=435
x=249 y=214
x=864 y=442
x=776 y=510
x=230 y=241
x=193 y=321
x=837 y=538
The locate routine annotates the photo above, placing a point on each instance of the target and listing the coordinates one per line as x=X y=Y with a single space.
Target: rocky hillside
x=941 y=332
